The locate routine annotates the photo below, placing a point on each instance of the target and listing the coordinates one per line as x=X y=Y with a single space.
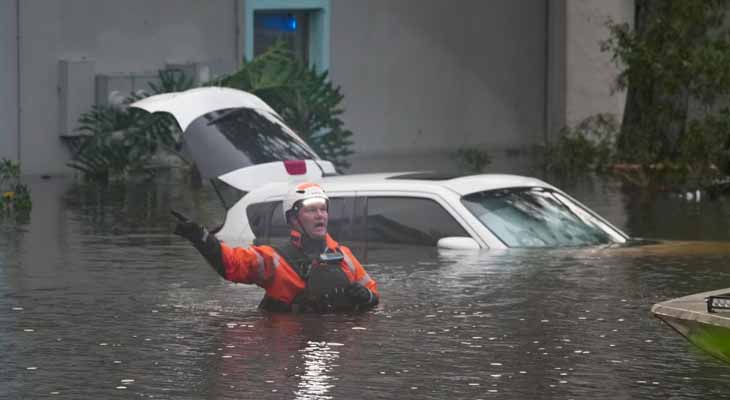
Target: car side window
x=278 y=228
x=340 y=218
x=409 y=220
x=269 y=226
x=259 y=215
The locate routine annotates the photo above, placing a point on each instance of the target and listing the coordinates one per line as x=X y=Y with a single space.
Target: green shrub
x=587 y=147
x=306 y=99
x=471 y=160
x=117 y=141
x=14 y=195
x=675 y=68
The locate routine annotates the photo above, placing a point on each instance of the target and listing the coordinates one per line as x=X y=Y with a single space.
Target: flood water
x=98 y=300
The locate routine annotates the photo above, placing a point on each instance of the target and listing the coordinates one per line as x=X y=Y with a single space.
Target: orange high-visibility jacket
x=265 y=267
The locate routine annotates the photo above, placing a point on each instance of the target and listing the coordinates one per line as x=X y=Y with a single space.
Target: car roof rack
x=426 y=176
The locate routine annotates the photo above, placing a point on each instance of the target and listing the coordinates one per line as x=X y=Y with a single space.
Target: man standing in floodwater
x=311 y=272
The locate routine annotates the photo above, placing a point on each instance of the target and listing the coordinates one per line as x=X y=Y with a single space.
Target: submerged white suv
x=251 y=157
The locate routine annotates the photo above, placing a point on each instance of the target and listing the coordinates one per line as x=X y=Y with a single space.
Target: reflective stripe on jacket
x=265 y=267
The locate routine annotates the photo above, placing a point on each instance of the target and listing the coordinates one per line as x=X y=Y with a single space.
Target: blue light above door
x=280 y=22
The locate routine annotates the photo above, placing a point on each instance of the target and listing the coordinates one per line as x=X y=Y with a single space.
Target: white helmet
x=298 y=196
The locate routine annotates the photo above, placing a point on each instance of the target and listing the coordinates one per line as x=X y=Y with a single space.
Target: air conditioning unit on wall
x=199 y=72
x=80 y=88
x=112 y=89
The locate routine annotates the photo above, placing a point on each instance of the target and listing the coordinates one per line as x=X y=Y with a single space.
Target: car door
x=269 y=226
x=403 y=219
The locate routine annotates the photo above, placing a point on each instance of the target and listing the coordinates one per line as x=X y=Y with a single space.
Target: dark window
x=409 y=220
x=241 y=137
x=227 y=194
x=259 y=215
x=291 y=27
x=278 y=227
x=257 y=135
x=340 y=218
x=269 y=226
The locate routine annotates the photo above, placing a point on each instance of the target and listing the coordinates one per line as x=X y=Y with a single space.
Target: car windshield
x=538 y=217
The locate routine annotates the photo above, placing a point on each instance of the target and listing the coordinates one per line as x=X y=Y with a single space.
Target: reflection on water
x=318 y=363
x=99 y=300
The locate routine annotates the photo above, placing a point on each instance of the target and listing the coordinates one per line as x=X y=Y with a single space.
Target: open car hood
x=234 y=136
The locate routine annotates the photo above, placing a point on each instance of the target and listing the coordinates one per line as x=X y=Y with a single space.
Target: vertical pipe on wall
x=546 y=71
x=17 y=66
x=555 y=67
x=236 y=32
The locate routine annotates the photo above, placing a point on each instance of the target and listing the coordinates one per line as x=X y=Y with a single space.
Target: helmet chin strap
x=301 y=228
x=308 y=239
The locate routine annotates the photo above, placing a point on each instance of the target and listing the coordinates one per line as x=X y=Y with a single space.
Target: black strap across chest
x=325 y=283
x=296 y=258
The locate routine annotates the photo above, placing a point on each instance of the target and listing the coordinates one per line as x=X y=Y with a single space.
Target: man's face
x=313 y=218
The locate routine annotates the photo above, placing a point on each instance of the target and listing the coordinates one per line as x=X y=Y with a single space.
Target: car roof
x=426 y=181
x=399 y=183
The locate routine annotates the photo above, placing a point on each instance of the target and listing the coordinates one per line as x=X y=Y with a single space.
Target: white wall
x=132 y=36
x=424 y=76
x=590 y=74
x=8 y=81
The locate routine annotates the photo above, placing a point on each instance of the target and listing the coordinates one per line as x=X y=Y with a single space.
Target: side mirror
x=458 y=243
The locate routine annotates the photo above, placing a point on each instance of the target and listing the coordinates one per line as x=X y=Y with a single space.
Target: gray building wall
x=420 y=77
x=133 y=36
x=590 y=73
x=556 y=71
x=581 y=77
x=425 y=76
x=8 y=80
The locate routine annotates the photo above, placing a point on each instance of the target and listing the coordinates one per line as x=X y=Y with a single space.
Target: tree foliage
x=587 y=147
x=471 y=160
x=117 y=140
x=676 y=69
x=14 y=195
x=306 y=99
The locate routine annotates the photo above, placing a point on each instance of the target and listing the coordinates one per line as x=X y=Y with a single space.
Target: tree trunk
x=642 y=125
